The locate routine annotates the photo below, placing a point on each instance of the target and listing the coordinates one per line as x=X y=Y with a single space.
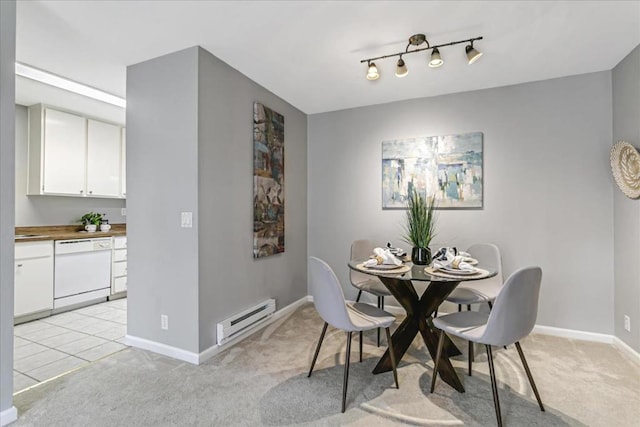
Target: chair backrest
x=514 y=312
x=360 y=250
x=488 y=255
x=327 y=294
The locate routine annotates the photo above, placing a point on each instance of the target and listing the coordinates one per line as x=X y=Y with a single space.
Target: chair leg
x=359 y=295
x=315 y=356
x=360 y=346
x=380 y=307
x=471 y=357
x=392 y=355
x=435 y=313
x=490 y=305
x=526 y=368
x=494 y=385
x=437 y=361
x=346 y=371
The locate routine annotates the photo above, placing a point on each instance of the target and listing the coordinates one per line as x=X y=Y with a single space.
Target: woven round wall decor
x=625 y=164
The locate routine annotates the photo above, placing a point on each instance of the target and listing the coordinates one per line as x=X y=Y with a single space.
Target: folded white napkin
x=456 y=263
x=383 y=256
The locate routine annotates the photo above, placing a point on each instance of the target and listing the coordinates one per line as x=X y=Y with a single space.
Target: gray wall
x=162 y=182
x=7 y=143
x=547 y=185
x=190 y=137
x=52 y=210
x=230 y=279
x=626 y=212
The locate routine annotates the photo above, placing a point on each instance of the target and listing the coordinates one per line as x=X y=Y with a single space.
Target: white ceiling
x=309 y=52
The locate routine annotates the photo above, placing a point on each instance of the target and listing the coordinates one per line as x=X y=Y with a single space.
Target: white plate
x=385 y=267
x=458 y=272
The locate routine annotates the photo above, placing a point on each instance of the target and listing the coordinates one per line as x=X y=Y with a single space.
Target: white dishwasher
x=82 y=271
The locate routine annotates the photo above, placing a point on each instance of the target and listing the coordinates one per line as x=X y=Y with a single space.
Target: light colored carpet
x=263 y=381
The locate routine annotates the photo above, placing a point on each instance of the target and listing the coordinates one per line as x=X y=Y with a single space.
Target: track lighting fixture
x=372 y=73
x=472 y=54
x=435 y=60
x=401 y=69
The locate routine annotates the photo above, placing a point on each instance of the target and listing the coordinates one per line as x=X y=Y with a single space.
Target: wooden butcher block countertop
x=64 y=232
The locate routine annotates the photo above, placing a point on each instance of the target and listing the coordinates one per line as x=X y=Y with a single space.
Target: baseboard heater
x=240 y=322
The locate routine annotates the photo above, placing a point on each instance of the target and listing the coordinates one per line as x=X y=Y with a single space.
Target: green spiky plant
x=421 y=220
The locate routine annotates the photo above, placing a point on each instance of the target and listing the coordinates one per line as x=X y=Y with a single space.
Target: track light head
x=401 y=68
x=372 y=72
x=472 y=54
x=436 y=60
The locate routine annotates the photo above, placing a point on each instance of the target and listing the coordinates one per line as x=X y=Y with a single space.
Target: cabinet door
x=65 y=153
x=33 y=285
x=124 y=163
x=103 y=159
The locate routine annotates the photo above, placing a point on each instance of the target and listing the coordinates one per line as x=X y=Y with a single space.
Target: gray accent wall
x=230 y=279
x=190 y=149
x=547 y=185
x=52 y=210
x=7 y=144
x=626 y=212
x=162 y=182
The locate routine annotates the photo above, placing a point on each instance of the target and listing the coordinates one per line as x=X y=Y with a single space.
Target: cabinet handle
x=90 y=191
x=19 y=265
x=81 y=191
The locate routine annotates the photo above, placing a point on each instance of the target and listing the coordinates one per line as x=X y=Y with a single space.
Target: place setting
x=451 y=263
x=387 y=259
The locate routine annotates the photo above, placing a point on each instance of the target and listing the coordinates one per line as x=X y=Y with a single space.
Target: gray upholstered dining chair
x=480 y=291
x=328 y=299
x=512 y=318
x=362 y=249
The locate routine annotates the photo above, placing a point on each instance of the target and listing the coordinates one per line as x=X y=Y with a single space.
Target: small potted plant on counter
x=91 y=221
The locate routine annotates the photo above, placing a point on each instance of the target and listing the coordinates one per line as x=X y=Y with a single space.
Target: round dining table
x=420 y=309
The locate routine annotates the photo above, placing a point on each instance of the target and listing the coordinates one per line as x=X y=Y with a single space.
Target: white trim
x=626 y=349
x=572 y=333
x=8 y=416
x=198 y=358
x=164 y=349
x=29 y=72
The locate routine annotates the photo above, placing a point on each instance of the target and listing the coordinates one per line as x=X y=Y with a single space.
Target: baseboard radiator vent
x=249 y=318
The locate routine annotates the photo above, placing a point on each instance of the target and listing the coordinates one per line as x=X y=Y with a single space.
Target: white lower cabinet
x=119 y=267
x=33 y=277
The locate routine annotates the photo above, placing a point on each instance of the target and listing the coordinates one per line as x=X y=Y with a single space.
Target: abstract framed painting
x=449 y=167
x=268 y=181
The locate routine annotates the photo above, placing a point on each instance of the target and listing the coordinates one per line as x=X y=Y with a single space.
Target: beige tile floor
x=46 y=348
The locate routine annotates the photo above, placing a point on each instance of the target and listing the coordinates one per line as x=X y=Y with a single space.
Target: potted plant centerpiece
x=91 y=221
x=420 y=226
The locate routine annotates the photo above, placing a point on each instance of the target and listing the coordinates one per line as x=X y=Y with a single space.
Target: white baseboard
x=572 y=333
x=8 y=416
x=624 y=347
x=160 y=348
x=198 y=358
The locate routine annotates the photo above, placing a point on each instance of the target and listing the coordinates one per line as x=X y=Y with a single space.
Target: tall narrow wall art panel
x=268 y=181
x=448 y=166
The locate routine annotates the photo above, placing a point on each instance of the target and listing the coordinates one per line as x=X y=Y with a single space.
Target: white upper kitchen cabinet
x=103 y=159
x=72 y=155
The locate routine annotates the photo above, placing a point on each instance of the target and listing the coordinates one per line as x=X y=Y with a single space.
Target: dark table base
x=419 y=312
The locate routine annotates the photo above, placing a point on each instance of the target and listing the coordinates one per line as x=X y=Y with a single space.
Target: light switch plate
x=186 y=219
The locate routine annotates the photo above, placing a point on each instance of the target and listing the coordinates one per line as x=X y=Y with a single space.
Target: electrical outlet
x=123 y=211
x=627 y=323
x=164 y=322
